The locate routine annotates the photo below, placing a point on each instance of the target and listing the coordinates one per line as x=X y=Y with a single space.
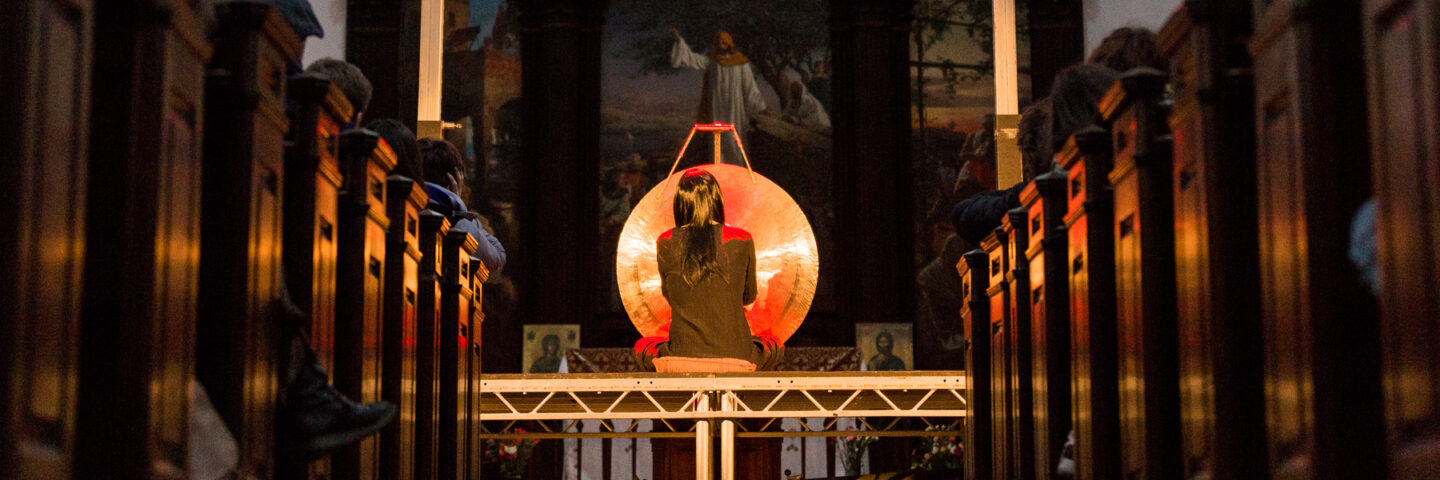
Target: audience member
x=976 y=216
x=402 y=141
x=352 y=83
x=444 y=175
x=1074 y=99
x=1127 y=48
x=315 y=419
x=1036 y=155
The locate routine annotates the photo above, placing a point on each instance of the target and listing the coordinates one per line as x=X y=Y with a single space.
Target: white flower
x=510 y=449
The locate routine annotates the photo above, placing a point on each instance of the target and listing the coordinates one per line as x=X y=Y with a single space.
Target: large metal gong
x=786 y=261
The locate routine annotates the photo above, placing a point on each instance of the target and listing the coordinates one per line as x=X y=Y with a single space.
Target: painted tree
x=940 y=20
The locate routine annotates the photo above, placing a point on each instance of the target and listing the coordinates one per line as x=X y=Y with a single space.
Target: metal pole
x=432 y=48
x=703 y=456
x=727 y=438
x=1007 y=95
x=717 y=146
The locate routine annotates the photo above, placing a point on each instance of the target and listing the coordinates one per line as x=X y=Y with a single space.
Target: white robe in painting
x=730 y=93
x=807 y=111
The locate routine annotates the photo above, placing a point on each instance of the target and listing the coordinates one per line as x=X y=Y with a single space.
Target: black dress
x=708 y=318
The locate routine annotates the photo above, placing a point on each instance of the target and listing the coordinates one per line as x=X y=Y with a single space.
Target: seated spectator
x=1127 y=48
x=350 y=80
x=315 y=418
x=444 y=174
x=1035 y=152
x=979 y=214
x=402 y=142
x=1073 y=100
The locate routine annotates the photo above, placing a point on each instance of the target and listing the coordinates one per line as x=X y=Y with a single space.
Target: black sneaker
x=318 y=420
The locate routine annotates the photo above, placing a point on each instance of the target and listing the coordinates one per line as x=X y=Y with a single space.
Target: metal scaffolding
x=689 y=404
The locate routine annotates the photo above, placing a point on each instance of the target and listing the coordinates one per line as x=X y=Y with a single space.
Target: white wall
x=1102 y=16
x=332 y=18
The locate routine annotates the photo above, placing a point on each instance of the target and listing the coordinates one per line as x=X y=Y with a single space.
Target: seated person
x=444 y=172
x=1072 y=106
x=707 y=273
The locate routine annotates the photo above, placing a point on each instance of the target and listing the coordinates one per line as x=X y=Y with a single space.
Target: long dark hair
x=1126 y=48
x=1073 y=100
x=700 y=212
x=402 y=142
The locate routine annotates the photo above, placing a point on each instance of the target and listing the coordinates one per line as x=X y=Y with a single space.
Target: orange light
x=715 y=127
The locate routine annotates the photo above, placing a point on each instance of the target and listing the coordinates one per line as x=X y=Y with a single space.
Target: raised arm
x=681 y=56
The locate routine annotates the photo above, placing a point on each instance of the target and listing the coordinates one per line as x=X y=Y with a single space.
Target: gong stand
x=719 y=130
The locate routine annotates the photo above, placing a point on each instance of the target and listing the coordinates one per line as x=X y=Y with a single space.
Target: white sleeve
x=681 y=56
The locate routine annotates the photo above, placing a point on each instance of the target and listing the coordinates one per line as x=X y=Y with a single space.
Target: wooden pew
x=405 y=199
x=1322 y=346
x=1404 y=141
x=316 y=109
x=1045 y=203
x=1001 y=448
x=240 y=244
x=434 y=228
x=1089 y=214
x=365 y=161
x=46 y=104
x=1017 y=343
x=454 y=336
x=1144 y=276
x=1216 y=241
x=478 y=275
x=974 y=270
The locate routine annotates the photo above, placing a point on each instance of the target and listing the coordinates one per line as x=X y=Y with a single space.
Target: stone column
x=872 y=175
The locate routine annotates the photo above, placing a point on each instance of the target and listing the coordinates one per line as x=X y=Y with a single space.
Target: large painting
x=668 y=64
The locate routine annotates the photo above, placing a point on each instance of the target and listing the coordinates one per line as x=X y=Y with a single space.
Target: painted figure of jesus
x=729 y=93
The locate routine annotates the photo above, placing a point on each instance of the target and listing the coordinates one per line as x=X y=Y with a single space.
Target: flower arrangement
x=509 y=458
x=938 y=452
x=852 y=450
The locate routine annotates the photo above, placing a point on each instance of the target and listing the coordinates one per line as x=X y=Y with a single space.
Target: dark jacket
x=708 y=318
x=487 y=248
x=977 y=216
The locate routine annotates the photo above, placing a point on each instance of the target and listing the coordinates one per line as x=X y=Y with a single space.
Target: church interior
x=1009 y=239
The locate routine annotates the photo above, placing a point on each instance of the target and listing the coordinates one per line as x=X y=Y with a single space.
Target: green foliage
x=940 y=20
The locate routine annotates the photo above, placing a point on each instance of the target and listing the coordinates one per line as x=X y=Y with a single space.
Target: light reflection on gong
x=786 y=261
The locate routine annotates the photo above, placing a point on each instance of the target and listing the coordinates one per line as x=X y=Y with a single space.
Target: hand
x=675 y=34
x=453 y=183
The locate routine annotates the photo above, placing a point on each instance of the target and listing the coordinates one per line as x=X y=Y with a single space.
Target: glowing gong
x=786 y=261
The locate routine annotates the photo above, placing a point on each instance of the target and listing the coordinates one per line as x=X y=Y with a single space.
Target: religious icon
x=545 y=347
x=885 y=346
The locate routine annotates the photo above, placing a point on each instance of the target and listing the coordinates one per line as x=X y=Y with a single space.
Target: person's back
x=708 y=314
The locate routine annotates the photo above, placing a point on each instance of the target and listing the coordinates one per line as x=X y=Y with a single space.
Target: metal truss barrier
x=744 y=405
